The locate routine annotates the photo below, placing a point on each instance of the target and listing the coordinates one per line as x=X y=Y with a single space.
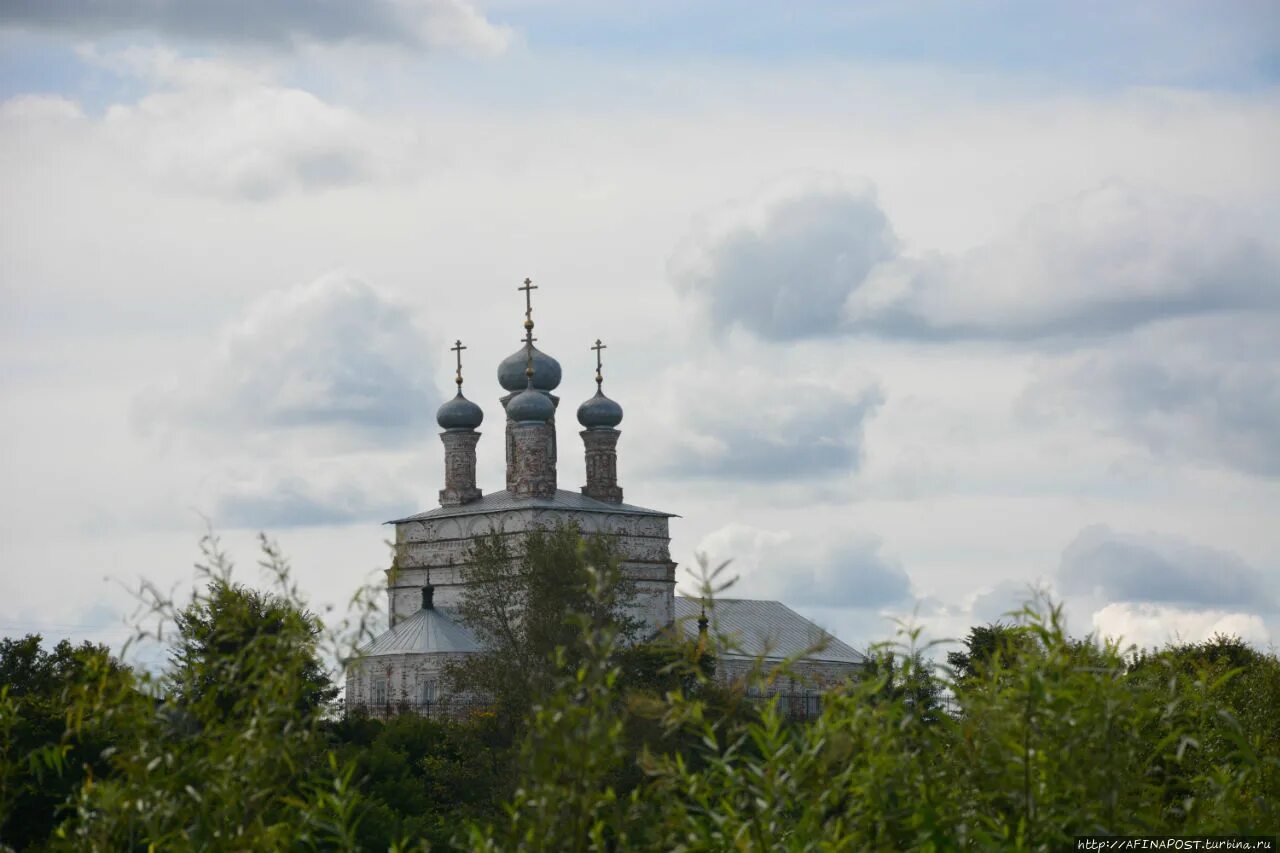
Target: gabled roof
x=765 y=628
x=504 y=500
x=425 y=631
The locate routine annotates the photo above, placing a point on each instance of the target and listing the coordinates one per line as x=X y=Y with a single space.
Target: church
x=402 y=669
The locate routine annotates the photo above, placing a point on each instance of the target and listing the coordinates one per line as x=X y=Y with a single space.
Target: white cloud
x=841 y=570
x=743 y=414
x=781 y=263
x=821 y=259
x=318 y=491
x=1005 y=598
x=24 y=109
x=1107 y=565
x=451 y=24
x=219 y=129
x=114 y=279
x=1153 y=625
x=333 y=356
x=1203 y=389
x=1108 y=259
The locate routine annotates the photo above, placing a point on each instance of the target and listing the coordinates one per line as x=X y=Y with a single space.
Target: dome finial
x=459 y=413
x=599 y=412
x=528 y=363
x=599 y=378
x=457 y=349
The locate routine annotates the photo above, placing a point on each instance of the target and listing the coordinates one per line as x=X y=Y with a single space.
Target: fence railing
x=443 y=709
x=796 y=706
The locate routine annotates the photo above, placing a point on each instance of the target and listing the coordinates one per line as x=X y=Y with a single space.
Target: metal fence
x=795 y=706
x=444 y=709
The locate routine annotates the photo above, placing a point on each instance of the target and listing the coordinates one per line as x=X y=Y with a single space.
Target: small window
x=430 y=691
x=379 y=690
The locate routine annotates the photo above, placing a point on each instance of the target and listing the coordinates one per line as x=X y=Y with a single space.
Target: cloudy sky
x=911 y=306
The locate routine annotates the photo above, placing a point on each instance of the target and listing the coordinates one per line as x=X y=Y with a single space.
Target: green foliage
x=907 y=679
x=989 y=644
x=422 y=779
x=574 y=746
x=1235 y=690
x=40 y=764
x=526 y=607
x=230 y=630
x=1056 y=740
x=226 y=750
x=630 y=747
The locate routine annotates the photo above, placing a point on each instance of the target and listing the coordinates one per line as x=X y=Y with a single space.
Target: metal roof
x=765 y=628
x=425 y=631
x=504 y=500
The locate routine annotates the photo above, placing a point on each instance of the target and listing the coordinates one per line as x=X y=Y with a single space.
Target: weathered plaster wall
x=436 y=551
x=405 y=675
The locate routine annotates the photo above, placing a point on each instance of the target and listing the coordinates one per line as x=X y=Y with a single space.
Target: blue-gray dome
x=530 y=405
x=599 y=412
x=546 y=371
x=459 y=413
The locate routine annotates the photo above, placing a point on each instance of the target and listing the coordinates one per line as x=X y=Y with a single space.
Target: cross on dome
x=599 y=378
x=459 y=413
x=528 y=287
x=457 y=349
x=599 y=412
x=514 y=371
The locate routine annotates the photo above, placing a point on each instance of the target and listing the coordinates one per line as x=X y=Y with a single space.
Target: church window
x=430 y=691
x=379 y=690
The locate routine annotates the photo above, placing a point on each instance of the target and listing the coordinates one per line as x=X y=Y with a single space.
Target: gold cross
x=528 y=289
x=458 y=348
x=599 y=346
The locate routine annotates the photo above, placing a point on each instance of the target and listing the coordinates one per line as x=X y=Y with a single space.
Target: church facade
x=403 y=668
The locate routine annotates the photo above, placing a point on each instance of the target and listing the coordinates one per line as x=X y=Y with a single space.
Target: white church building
x=402 y=669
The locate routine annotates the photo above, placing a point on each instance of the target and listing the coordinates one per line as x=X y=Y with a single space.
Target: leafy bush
x=1040 y=737
x=1063 y=738
x=225 y=750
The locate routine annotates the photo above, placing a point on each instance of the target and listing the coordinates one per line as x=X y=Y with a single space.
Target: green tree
x=227 y=749
x=41 y=763
x=907 y=678
x=1239 y=733
x=523 y=604
x=1046 y=745
x=985 y=644
x=422 y=779
x=224 y=632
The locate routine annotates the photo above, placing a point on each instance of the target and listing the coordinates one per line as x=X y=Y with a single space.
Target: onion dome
x=599 y=412
x=459 y=413
x=546 y=370
x=530 y=406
